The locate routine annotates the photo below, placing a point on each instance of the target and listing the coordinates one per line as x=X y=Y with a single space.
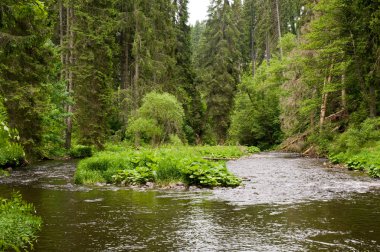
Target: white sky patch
x=198 y=10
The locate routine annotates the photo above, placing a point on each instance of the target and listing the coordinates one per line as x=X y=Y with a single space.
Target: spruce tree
x=187 y=90
x=25 y=63
x=221 y=62
x=94 y=27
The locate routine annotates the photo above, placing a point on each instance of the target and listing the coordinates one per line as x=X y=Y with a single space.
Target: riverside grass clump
x=18 y=224
x=162 y=166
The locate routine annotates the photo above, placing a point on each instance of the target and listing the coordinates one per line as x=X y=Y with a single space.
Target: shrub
x=137 y=176
x=160 y=116
x=18 y=224
x=81 y=151
x=253 y=149
x=374 y=171
x=11 y=155
x=208 y=174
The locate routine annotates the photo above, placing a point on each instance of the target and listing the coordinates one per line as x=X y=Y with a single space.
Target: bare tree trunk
x=325 y=96
x=61 y=40
x=253 y=52
x=344 y=94
x=279 y=27
x=136 y=79
x=69 y=73
x=137 y=66
x=312 y=113
x=126 y=74
x=253 y=49
x=267 y=48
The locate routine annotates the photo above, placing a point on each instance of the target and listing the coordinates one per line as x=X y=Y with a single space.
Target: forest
x=294 y=75
x=155 y=99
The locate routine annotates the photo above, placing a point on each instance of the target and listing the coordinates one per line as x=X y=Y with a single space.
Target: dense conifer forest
x=298 y=75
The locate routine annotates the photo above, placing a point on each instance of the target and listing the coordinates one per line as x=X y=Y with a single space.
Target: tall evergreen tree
x=221 y=63
x=93 y=68
x=187 y=90
x=25 y=64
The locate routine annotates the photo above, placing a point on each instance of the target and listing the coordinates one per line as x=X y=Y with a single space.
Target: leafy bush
x=359 y=147
x=160 y=116
x=253 y=149
x=18 y=224
x=208 y=174
x=374 y=171
x=81 y=151
x=137 y=176
x=4 y=173
x=11 y=155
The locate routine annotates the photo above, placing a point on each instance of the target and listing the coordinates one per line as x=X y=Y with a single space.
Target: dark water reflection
x=109 y=219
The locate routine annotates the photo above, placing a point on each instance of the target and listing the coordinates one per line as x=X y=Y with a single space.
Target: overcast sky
x=198 y=10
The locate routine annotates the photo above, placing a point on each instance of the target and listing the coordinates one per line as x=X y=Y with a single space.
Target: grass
x=18 y=224
x=162 y=165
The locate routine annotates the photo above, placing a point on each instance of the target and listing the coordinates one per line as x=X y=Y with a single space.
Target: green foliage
x=357 y=137
x=4 y=173
x=18 y=224
x=219 y=64
x=160 y=116
x=137 y=176
x=253 y=149
x=26 y=59
x=11 y=153
x=81 y=151
x=163 y=165
x=256 y=116
x=359 y=147
x=208 y=174
x=146 y=129
x=221 y=151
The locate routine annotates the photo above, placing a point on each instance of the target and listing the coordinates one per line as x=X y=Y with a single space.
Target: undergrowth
x=358 y=148
x=18 y=224
x=162 y=166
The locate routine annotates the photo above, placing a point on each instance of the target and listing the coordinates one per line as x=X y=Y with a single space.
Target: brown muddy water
x=287 y=203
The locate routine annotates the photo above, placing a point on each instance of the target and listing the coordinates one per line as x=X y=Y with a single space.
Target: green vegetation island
x=155 y=99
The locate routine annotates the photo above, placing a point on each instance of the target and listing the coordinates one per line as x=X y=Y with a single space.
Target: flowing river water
x=287 y=203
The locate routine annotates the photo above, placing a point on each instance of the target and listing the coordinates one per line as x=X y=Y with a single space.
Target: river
x=287 y=203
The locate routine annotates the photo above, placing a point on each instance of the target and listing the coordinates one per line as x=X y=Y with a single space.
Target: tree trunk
x=253 y=52
x=267 y=48
x=372 y=100
x=325 y=96
x=344 y=94
x=69 y=73
x=279 y=27
x=137 y=62
x=61 y=39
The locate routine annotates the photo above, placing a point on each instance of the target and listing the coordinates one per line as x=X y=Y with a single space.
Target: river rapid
x=287 y=203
